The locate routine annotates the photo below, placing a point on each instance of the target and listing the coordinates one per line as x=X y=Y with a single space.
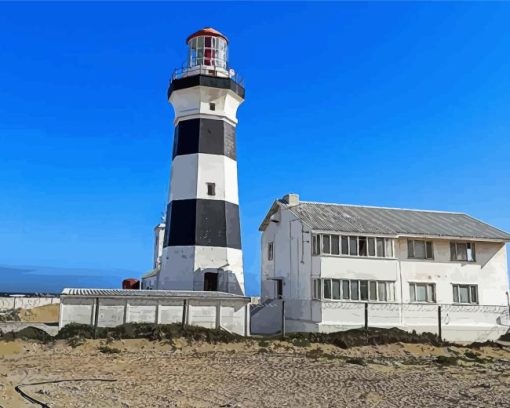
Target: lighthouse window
x=211 y=189
x=212 y=106
x=207 y=50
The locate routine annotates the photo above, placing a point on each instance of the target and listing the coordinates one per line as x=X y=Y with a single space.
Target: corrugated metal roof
x=188 y=294
x=392 y=221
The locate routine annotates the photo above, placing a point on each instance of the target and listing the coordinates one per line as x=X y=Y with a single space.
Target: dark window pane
x=336 y=289
x=371 y=246
x=453 y=252
x=325 y=244
x=207 y=41
x=335 y=250
x=327 y=289
x=430 y=252
x=410 y=249
x=380 y=247
x=345 y=245
x=353 y=245
x=461 y=252
x=455 y=294
x=354 y=290
x=419 y=249
x=474 y=294
x=362 y=246
x=363 y=289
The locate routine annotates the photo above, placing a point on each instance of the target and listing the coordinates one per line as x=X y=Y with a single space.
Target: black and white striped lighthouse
x=202 y=247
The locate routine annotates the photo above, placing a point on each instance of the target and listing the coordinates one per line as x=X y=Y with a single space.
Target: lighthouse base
x=202 y=268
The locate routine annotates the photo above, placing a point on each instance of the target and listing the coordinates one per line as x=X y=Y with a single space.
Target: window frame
x=211 y=189
x=355 y=291
x=411 y=252
x=427 y=285
x=470 y=287
x=454 y=251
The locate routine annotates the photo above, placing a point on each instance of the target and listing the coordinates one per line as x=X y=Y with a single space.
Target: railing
x=209 y=70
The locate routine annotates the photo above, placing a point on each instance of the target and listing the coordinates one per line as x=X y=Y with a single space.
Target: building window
x=212 y=106
x=465 y=294
x=329 y=244
x=211 y=189
x=419 y=249
x=326 y=244
x=327 y=288
x=462 y=251
x=270 y=252
x=316 y=289
x=353 y=245
x=335 y=245
x=364 y=290
x=422 y=292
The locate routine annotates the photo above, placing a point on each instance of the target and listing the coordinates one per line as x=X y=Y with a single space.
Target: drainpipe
x=401 y=282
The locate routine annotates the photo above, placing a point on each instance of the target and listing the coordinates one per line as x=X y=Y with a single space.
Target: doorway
x=279 y=288
x=210 y=281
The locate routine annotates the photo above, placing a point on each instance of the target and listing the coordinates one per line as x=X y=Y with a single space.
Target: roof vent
x=291 y=199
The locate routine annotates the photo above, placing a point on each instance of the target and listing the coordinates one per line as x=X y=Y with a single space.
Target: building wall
x=232 y=315
x=489 y=271
x=291 y=257
x=26 y=302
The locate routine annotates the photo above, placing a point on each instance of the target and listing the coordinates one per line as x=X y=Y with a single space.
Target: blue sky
x=388 y=104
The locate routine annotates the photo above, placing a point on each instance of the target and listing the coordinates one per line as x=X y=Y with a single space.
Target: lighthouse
x=202 y=242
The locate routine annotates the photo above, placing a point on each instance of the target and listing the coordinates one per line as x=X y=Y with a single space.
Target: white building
x=327 y=261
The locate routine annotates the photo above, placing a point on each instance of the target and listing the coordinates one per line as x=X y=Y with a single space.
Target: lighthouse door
x=211 y=281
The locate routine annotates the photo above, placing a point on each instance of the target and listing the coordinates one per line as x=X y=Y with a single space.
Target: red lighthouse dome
x=207 y=47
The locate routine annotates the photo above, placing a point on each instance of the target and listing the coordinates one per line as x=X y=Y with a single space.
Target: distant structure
x=202 y=240
x=336 y=265
x=150 y=279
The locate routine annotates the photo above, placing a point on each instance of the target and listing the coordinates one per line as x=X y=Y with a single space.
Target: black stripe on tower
x=205 y=136
x=204 y=223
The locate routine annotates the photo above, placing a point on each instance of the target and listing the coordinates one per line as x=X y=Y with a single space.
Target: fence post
x=439 y=329
x=96 y=317
x=283 y=318
x=366 y=316
x=184 y=310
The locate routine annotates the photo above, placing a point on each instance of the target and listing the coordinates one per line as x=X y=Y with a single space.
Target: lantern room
x=208 y=48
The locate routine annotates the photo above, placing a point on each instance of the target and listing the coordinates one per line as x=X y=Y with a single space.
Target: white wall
x=26 y=302
x=489 y=272
x=232 y=315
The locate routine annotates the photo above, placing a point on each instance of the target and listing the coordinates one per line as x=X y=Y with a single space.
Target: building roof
x=389 y=221
x=206 y=31
x=182 y=294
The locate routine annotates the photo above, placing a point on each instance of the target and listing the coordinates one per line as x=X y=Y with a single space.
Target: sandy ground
x=160 y=374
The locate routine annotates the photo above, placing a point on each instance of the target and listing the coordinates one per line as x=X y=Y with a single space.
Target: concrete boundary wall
x=14 y=302
x=231 y=314
x=459 y=323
